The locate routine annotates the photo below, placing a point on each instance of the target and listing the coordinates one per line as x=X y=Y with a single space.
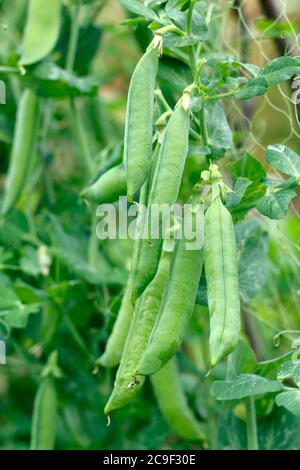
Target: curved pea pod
x=176 y=308
x=115 y=344
x=108 y=188
x=164 y=189
x=127 y=384
x=139 y=122
x=22 y=150
x=173 y=403
x=220 y=260
x=171 y=159
x=44 y=416
x=41 y=31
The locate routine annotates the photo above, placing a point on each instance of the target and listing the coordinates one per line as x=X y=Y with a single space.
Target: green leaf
x=254 y=87
x=54 y=82
x=275 y=72
x=231 y=431
x=280 y=69
x=252 y=258
x=219 y=132
x=139 y=9
x=279 y=431
x=242 y=386
x=68 y=249
x=241 y=361
x=250 y=168
x=284 y=159
x=13 y=311
x=239 y=189
x=275 y=205
x=29 y=261
x=290 y=400
x=289 y=370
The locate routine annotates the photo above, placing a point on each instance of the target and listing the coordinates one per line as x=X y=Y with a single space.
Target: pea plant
x=173 y=347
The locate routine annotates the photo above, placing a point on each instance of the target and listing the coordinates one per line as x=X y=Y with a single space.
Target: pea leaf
x=279 y=431
x=280 y=69
x=239 y=189
x=254 y=87
x=241 y=361
x=242 y=386
x=219 y=132
x=275 y=72
x=275 y=205
x=284 y=159
x=54 y=82
x=139 y=9
x=289 y=370
x=290 y=400
x=231 y=431
x=250 y=168
x=13 y=311
x=252 y=255
x=69 y=250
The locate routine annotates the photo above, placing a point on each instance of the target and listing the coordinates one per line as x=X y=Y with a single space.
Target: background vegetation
x=60 y=289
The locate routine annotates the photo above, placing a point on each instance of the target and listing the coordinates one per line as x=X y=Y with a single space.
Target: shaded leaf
x=275 y=205
x=284 y=159
x=289 y=370
x=290 y=400
x=242 y=386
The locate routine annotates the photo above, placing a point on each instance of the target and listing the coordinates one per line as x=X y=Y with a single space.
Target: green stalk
x=82 y=139
x=73 y=38
x=252 y=441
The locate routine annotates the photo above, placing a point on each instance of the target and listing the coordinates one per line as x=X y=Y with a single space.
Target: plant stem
x=203 y=124
x=5 y=69
x=252 y=441
x=163 y=100
x=220 y=95
x=82 y=140
x=73 y=38
x=191 y=48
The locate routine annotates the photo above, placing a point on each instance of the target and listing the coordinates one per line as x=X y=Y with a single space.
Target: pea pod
x=108 y=188
x=139 y=122
x=41 y=31
x=127 y=385
x=173 y=403
x=176 y=308
x=164 y=190
x=220 y=259
x=22 y=150
x=115 y=344
x=44 y=416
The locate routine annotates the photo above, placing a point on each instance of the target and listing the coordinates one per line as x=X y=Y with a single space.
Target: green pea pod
x=22 y=150
x=165 y=187
x=44 y=416
x=176 y=307
x=173 y=403
x=127 y=385
x=41 y=31
x=108 y=188
x=115 y=344
x=139 y=122
x=220 y=259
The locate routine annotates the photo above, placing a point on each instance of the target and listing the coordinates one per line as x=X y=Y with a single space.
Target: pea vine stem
x=252 y=440
x=73 y=38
